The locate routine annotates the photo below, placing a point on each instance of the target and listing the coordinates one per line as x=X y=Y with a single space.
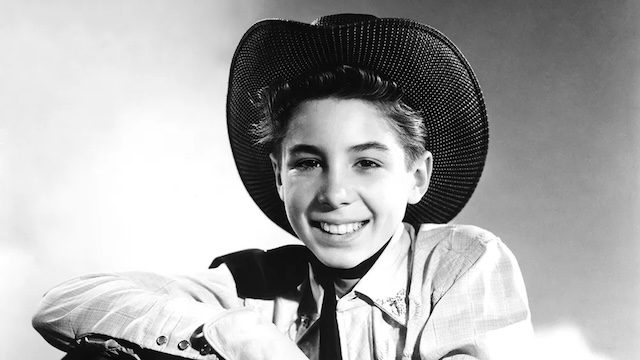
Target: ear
x=421 y=172
x=275 y=164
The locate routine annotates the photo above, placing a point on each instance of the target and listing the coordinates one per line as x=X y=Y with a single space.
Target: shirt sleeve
x=479 y=307
x=153 y=311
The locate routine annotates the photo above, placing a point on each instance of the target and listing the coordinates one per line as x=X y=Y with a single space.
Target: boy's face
x=343 y=178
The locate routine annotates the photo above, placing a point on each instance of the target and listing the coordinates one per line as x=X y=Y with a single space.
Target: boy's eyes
x=307 y=164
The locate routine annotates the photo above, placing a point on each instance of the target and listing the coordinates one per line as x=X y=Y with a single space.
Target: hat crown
x=342 y=19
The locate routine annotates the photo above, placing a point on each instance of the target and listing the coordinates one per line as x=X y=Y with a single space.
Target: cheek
x=297 y=196
x=391 y=198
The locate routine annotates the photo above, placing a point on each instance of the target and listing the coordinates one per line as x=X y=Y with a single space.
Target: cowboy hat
x=434 y=77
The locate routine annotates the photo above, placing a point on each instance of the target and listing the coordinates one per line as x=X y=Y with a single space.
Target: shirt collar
x=385 y=284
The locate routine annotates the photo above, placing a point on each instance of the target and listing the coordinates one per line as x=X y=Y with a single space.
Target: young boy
x=358 y=135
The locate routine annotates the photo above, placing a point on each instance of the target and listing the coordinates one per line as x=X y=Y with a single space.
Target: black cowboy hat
x=433 y=75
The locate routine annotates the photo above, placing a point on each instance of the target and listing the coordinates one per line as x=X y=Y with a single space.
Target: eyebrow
x=311 y=149
x=371 y=145
x=304 y=148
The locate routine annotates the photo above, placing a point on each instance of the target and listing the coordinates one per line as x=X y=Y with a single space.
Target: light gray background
x=114 y=156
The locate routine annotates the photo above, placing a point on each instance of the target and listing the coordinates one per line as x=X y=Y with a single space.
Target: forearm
x=136 y=307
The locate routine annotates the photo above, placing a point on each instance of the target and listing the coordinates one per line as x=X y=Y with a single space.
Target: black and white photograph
x=322 y=180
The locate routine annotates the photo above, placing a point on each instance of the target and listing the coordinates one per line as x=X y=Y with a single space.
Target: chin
x=340 y=260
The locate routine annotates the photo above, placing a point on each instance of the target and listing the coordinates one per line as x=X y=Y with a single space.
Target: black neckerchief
x=326 y=277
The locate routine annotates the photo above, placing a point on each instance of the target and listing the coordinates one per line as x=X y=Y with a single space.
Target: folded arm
x=157 y=315
x=153 y=311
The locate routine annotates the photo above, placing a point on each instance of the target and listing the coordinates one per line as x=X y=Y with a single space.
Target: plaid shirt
x=445 y=292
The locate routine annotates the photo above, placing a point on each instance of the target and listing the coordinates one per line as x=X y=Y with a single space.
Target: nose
x=336 y=190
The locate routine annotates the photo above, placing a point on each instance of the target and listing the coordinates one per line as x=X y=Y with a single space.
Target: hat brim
x=435 y=79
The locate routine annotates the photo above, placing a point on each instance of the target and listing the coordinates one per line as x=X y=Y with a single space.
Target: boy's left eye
x=367 y=164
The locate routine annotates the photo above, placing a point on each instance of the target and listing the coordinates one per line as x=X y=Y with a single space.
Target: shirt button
x=161 y=340
x=183 y=344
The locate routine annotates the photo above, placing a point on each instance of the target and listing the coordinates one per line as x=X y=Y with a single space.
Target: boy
x=357 y=135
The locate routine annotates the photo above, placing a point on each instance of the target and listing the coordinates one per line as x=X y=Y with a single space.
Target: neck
x=343 y=286
x=343 y=279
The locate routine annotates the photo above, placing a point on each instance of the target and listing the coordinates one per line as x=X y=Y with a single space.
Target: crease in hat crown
x=429 y=68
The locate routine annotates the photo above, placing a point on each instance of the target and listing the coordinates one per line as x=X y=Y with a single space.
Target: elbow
x=42 y=317
x=49 y=321
x=39 y=320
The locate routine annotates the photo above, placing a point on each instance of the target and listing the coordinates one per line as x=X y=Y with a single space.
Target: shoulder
x=445 y=253
x=470 y=290
x=466 y=240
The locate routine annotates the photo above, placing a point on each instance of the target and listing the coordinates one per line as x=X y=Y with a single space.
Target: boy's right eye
x=307 y=164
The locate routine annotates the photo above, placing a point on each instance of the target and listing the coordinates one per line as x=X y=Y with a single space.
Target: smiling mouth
x=341 y=229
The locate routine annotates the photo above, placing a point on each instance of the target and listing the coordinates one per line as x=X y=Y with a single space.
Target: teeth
x=341 y=228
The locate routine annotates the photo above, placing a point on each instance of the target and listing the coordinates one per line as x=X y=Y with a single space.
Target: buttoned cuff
x=174 y=324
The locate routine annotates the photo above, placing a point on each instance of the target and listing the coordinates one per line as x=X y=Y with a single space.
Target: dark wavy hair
x=341 y=82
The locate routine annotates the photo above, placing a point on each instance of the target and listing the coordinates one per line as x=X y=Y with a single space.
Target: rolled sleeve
x=153 y=311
